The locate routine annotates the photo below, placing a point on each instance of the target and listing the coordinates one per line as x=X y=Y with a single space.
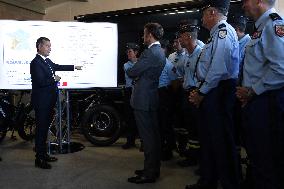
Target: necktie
x=50 y=67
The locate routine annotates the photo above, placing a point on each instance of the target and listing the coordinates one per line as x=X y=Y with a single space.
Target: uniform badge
x=279 y=30
x=222 y=34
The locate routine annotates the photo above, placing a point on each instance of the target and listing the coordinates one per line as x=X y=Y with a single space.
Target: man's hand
x=57 y=78
x=78 y=67
x=244 y=94
x=195 y=98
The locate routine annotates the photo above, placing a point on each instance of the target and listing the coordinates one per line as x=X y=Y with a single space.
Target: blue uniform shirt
x=200 y=43
x=242 y=47
x=167 y=74
x=128 y=80
x=264 y=55
x=174 y=57
x=219 y=58
x=187 y=71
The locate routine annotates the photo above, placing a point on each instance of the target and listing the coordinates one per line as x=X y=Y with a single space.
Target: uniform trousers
x=264 y=133
x=166 y=119
x=218 y=150
x=131 y=131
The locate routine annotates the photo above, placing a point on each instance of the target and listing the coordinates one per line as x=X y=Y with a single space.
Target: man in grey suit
x=145 y=102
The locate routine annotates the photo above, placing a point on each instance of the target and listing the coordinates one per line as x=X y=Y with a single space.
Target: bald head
x=255 y=8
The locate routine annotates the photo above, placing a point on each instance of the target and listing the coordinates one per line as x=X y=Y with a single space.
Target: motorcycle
x=93 y=113
x=19 y=117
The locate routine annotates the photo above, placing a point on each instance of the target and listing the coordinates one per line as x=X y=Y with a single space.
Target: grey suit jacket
x=146 y=72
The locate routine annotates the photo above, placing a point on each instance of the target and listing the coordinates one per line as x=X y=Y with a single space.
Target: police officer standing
x=188 y=32
x=262 y=95
x=239 y=22
x=165 y=105
x=217 y=71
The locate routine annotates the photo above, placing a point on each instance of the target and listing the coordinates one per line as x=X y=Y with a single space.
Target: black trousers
x=131 y=129
x=148 y=127
x=263 y=122
x=43 y=117
x=190 y=118
x=218 y=150
x=166 y=119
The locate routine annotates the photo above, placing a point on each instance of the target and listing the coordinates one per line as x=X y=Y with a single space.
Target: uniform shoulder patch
x=279 y=30
x=222 y=34
x=275 y=16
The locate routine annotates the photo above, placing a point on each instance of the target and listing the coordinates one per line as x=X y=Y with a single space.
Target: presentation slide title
x=91 y=45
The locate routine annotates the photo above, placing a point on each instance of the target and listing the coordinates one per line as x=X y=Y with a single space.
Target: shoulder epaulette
x=222 y=26
x=275 y=16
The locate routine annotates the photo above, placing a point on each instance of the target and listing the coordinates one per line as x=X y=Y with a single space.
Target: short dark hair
x=241 y=27
x=155 y=29
x=40 y=41
x=239 y=21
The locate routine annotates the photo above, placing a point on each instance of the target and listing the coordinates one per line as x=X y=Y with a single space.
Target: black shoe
x=187 y=162
x=128 y=145
x=141 y=173
x=41 y=163
x=141 y=179
x=50 y=158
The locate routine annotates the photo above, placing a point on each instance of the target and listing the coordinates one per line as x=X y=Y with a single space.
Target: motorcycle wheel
x=27 y=125
x=101 y=125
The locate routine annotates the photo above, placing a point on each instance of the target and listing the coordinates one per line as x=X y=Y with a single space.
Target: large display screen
x=91 y=45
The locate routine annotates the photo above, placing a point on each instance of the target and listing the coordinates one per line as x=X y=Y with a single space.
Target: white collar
x=42 y=56
x=155 y=43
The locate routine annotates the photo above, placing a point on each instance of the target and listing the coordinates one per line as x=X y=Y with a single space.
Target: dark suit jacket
x=146 y=73
x=43 y=84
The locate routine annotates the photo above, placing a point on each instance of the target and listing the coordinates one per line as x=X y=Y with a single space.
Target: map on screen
x=91 y=45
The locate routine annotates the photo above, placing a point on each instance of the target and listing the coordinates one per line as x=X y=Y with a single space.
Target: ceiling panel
x=39 y=6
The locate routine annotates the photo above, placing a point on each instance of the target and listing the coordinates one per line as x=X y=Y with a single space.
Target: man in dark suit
x=44 y=96
x=145 y=101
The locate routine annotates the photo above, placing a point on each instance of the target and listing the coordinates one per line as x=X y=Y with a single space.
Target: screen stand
x=59 y=135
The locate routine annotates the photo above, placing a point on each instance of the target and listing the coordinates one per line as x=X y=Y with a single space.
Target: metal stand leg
x=68 y=120
x=59 y=122
x=59 y=132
